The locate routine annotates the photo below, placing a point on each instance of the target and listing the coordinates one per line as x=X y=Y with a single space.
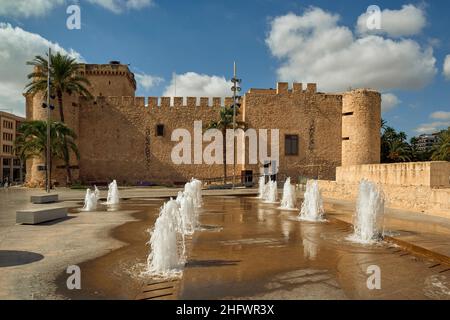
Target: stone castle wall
x=314 y=117
x=361 y=123
x=119 y=140
x=117 y=131
x=420 y=199
x=428 y=174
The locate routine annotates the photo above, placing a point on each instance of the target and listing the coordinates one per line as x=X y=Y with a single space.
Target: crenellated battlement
x=112 y=69
x=283 y=88
x=163 y=102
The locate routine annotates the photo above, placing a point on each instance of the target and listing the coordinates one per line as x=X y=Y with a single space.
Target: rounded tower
x=361 y=122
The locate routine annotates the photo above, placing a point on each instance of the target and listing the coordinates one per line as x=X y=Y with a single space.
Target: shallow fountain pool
x=248 y=249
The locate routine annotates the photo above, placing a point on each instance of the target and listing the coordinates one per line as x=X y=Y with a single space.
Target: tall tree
x=394 y=145
x=32 y=140
x=225 y=122
x=441 y=150
x=64 y=78
x=398 y=151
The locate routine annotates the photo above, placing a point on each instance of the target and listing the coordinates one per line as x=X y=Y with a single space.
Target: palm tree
x=398 y=151
x=394 y=145
x=21 y=153
x=32 y=140
x=225 y=122
x=441 y=151
x=383 y=124
x=64 y=78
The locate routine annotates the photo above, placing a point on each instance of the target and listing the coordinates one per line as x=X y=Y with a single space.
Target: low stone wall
x=414 y=198
x=427 y=174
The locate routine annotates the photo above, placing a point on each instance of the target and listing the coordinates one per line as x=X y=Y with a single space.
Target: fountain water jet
x=165 y=258
x=177 y=218
x=262 y=187
x=188 y=214
x=194 y=190
x=288 y=199
x=369 y=215
x=271 y=192
x=312 y=206
x=90 y=201
x=96 y=192
x=113 y=193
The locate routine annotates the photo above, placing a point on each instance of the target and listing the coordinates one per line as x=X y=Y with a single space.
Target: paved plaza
x=245 y=249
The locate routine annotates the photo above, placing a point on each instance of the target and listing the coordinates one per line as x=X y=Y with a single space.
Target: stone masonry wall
x=117 y=131
x=415 y=198
x=314 y=117
x=119 y=140
x=429 y=174
x=361 y=123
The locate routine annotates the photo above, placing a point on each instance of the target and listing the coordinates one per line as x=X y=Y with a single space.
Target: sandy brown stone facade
x=10 y=165
x=128 y=138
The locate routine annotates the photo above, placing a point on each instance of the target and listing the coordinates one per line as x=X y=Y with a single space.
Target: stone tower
x=113 y=79
x=361 y=122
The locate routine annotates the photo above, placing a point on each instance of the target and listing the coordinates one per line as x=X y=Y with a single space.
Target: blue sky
x=203 y=37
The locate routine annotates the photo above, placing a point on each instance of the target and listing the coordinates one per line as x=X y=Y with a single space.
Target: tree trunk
x=47 y=177
x=66 y=149
x=224 y=154
x=50 y=171
x=21 y=170
x=60 y=106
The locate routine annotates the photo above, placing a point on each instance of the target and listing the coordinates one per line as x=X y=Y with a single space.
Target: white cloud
x=118 y=6
x=432 y=127
x=27 y=8
x=389 y=101
x=442 y=122
x=440 y=115
x=18 y=46
x=139 y=4
x=408 y=21
x=198 y=85
x=314 y=48
x=39 y=8
x=446 y=68
x=147 y=81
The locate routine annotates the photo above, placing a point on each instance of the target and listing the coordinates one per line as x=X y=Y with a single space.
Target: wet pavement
x=424 y=231
x=261 y=252
x=245 y=250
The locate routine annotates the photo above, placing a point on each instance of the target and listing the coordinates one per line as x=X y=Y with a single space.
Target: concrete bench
x=35 y=216
x=44 y=198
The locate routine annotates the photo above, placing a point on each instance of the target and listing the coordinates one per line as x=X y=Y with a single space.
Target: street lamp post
x=235 y=88
x=47 y=164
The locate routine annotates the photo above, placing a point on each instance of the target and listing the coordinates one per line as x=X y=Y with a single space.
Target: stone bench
x=44 y=198
x=39 y=215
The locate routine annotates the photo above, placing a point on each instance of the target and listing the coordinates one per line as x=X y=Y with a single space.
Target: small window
x=160 y=130
x=291 y=145
x=346 y=138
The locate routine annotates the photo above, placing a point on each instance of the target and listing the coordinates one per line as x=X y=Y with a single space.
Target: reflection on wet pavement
x=245 y=249
x=275 y=256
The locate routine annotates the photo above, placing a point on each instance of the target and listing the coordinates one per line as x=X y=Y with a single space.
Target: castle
x=128 y=138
